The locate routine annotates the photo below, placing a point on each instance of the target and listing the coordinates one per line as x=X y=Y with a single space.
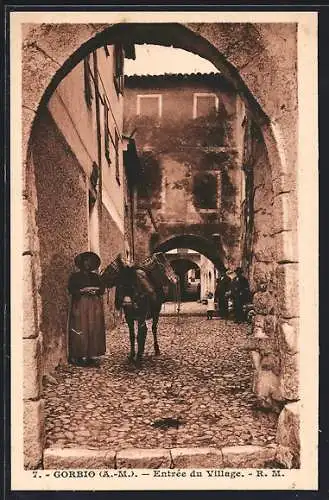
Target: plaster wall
x=111 y=243
x=75 y=120
x=112 y=185
x=62 y=221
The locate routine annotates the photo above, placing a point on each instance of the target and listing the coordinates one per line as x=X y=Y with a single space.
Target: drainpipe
x=132 y=222
x=99 y=135
x=149 y=210
x=152 y=219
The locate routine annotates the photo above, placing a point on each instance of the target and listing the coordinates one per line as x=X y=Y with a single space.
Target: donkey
x=141 y=299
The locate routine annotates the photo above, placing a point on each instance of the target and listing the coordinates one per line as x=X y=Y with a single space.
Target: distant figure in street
x=210 y=305
x=222 y=294
x=86 y=316
x=241 y=295
x=198 y=290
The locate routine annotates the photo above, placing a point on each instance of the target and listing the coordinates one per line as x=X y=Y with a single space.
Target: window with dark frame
x=106 y=132
x=118 y=68
x=204 y=104
x=88 y=81
x=205 y=190
x=117 y=166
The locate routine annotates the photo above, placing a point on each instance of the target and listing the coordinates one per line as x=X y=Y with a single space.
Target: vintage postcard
x=164 y=250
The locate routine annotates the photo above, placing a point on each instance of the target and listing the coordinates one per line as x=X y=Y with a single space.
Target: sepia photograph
x=164 y=250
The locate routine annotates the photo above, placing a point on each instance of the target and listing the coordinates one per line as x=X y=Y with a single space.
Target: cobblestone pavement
x=202 y=379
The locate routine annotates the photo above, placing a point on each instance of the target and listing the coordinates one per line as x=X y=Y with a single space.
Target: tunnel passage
x=188 y=286
x=210 y=248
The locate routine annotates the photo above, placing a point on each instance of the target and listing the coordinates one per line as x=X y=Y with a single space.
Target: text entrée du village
x=160 y=473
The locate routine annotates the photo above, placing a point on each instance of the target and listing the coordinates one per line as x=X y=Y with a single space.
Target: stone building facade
x=84 y=190
x=189 y=137
x=83 y=198
x=259 y=61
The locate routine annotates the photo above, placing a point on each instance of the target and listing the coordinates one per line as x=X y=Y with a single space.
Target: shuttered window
x=106 y=133
x=118 y=68
x=117 y=153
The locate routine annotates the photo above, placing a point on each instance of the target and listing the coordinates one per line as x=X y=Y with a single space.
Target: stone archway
x=209 y=248
x=210 y=258
x=259 y=66
x=182 y=264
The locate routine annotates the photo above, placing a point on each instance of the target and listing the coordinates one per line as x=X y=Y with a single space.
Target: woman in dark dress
x=241 y=295
x=222 y=294
x=86 y=317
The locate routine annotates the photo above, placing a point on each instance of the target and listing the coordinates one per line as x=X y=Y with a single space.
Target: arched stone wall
x=209 y=248
x=258 y=59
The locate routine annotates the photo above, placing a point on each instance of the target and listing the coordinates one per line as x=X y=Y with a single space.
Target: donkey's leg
x=131 y=326
x=141 y=338
x=155 y=322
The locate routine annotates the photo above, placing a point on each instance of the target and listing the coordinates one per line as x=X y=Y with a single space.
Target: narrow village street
x=196 y=394
x=161 y=160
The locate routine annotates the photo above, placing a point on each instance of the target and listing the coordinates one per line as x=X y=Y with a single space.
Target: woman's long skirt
x=87 y=327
